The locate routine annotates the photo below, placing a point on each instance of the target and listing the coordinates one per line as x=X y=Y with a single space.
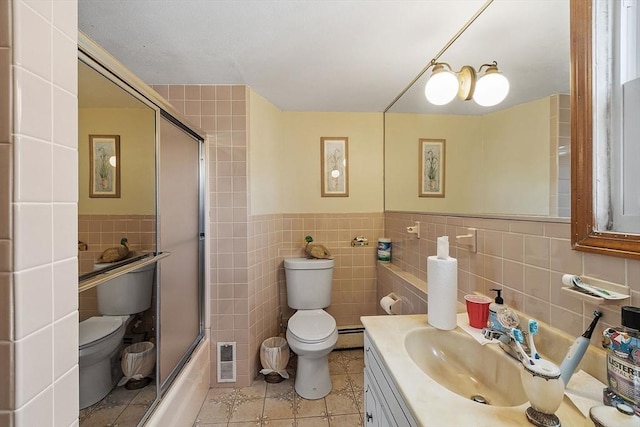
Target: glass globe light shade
x=491 y=89
x=441 y=87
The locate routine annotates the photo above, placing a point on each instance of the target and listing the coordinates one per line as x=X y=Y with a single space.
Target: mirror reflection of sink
x=457 y=362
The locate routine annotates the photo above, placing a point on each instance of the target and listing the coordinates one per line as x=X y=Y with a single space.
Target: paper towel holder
x=470 y=239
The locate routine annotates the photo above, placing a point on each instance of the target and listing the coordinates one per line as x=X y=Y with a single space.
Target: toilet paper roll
x=442 y=292
x=389 y=304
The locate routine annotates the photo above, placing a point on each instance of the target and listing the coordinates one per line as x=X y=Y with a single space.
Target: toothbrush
x=517 y=336
x=533 y=329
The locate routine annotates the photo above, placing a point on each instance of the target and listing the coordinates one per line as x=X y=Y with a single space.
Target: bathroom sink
x=457 y=362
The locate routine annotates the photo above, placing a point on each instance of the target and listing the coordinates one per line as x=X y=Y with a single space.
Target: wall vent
x=226 y=362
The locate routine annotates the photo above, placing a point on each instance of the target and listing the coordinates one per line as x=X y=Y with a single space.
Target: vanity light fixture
x=490 y=89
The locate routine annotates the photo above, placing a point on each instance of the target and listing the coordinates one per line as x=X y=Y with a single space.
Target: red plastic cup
x=478 y=310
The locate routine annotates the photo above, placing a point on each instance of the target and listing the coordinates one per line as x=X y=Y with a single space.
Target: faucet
x=506 y=342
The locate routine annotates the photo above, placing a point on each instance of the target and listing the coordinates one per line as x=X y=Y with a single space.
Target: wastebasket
x=274 y=356
x=138 y=361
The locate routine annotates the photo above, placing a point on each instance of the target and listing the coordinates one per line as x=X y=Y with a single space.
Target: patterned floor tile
x=276 y=409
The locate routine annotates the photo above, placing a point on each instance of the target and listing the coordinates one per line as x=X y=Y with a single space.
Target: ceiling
x=334 y=55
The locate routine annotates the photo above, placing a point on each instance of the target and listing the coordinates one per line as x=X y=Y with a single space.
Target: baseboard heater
x=350 y=337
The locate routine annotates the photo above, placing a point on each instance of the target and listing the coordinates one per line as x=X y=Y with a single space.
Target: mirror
x=595 y=226
x=117 y=164
x=519 y=147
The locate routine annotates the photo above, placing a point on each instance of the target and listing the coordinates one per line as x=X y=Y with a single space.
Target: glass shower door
x=180 y=221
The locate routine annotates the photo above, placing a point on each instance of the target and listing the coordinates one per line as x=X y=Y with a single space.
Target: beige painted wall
x=136 y=128
x=265 y=164
x=300 y=161
x=463 y=149
x=488 y=160
x=516 y=159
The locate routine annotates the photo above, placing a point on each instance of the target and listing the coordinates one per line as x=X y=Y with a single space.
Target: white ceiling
x=334 y=55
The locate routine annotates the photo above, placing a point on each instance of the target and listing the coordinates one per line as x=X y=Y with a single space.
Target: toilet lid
x=311 y=326
x=98 y=327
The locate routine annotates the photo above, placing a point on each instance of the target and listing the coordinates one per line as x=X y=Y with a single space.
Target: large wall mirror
x=605 y=127
x=511 y=159
x=116 y=170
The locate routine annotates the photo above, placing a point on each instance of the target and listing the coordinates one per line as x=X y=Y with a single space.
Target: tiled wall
x=100 y=232
x=38 y=213
x=221 y=112
x=264 y=241
x=525 y=258
x=560 y=156
x=354 y=275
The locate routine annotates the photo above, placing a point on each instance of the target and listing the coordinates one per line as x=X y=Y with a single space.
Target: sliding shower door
x=180 y=217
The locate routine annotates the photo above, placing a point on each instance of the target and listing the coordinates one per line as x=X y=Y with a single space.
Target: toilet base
x=313 y=380
x=98 y=379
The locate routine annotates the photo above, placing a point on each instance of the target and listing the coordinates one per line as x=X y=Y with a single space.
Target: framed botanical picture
x=335 y=166
x=104 y=166
x=431 y=168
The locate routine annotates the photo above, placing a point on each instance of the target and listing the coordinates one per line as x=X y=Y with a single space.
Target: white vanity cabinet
x=383 y=404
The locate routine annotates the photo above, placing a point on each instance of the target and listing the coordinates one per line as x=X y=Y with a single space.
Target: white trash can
x=138 y=362
x=274 y=356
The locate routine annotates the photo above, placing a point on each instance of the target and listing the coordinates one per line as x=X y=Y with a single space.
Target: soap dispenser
x=501 y=317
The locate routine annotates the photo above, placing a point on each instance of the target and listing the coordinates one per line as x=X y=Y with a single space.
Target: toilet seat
x=98 y=328
x=311 y=326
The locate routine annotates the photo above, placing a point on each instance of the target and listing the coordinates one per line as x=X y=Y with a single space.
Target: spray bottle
x=577 y=350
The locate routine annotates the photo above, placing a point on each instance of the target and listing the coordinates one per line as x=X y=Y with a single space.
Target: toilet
x=101 y=337
x=311 y=332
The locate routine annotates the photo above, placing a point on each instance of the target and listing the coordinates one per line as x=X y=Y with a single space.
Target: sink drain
x=480 y=399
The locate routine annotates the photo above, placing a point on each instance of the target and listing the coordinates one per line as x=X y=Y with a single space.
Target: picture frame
x=104 y=166
x=334 y=152
x=431 y=167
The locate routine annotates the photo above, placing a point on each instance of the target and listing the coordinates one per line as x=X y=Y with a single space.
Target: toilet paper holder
x=391 y=304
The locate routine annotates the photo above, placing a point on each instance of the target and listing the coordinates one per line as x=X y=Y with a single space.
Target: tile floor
x=121 y=408
x=278 y=405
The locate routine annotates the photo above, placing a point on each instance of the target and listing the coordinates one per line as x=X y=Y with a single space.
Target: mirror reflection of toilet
x=311 y=332
x=101 y=337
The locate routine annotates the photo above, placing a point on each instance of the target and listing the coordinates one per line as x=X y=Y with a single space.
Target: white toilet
x=101 y=337
x=311 y=332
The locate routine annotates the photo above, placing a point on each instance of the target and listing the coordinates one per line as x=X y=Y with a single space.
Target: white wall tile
x=66 y=399
x=65 y=118
x=32 y=111
x=65 y=349
x=65 y=288
x=34 y=366
x=65 y=59
x=32 y=155
x=65 y=174
x=37 y=412
x=33 y=290
x=32 y=41
x=65 y=231
x=65 y=17
x=33 y=235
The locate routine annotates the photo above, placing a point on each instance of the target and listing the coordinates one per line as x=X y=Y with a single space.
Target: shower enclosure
x=172 y=174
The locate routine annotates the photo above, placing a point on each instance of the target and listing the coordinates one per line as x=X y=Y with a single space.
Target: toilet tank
x=308 y=282
x=127 y=294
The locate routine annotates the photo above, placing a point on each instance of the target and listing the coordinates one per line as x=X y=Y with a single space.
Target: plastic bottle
x=494 y=308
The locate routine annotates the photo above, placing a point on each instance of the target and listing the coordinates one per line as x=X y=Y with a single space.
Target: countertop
x=432 y=404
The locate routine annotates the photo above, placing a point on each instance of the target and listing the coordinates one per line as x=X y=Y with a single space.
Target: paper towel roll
x=442 y=292
x=389 y=304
